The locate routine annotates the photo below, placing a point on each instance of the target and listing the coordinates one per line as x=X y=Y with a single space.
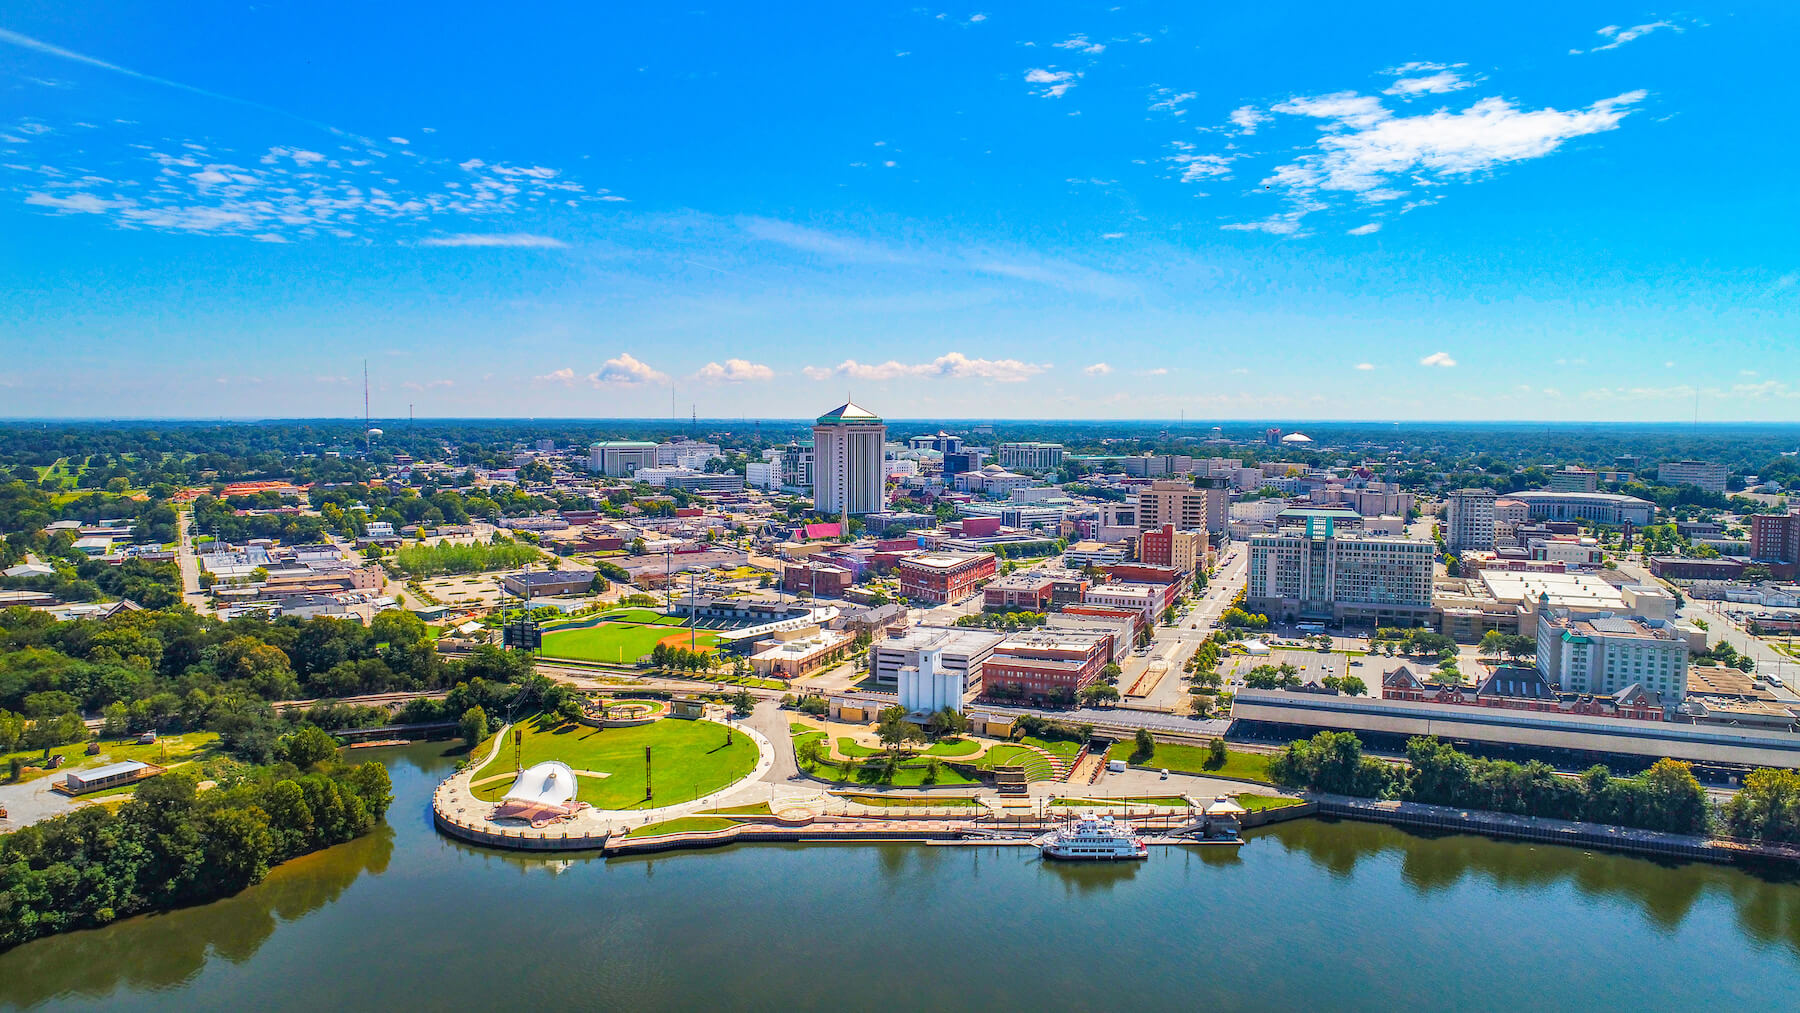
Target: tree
x=893 y=729
x=474 y=726
x=1215 y=754
x=1352 y=685
x=742 y=703
x=1143 y=746
x=1767 y=808
x=307 y=747
x=1099 y=693
x=1111 y=672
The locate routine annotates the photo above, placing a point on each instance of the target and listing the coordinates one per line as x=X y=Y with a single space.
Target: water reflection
x=157 y=951
x=1767 y=905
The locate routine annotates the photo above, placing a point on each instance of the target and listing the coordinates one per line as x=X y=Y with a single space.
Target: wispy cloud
x=950 y=366
x=524 y=239
x=288 y=192
x=1439 y=359
x=625 y=371
x=1167 y=100
x=735 y=371
x=1050 y=82
x=1365 y=366
x=1097 y=369
x=1365 y=230
x=1431 y=84
x=564 y=376
x=1247 y=119
x=1617 y=36
x=1080 y=44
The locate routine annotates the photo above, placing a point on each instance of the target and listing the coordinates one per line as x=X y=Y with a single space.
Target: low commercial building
x=111 y=775
x=959 y=650
x=1123 y=624
x=547 y=583
x=1082 y=554
x=821 y=580
x=1046 y=664
x=1149 y=600
x=1685 y=568
x=797 y=653
x=1028 y=591
x=943 y=577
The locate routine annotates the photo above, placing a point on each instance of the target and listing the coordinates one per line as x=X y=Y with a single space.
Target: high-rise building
x=1030 y=456
x=1609 y=654
x=1185 y=505
x=1775 y=538
x=621 y=458
x=957 y=462
x=1470 y=522
x=1701 y=474
x=940 y=441
x=1316 y=572
x=847 y=456
x=1573 y=479
x=1170 y=546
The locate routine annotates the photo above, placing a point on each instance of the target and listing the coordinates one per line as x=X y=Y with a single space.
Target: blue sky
x=1568 y=211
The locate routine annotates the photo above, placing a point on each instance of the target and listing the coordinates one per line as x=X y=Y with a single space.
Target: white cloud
x=1052 y=83
x=1442 y=359
x=1158 y=371
x=1165 y=100
x=735 y=371
x=1366 y=150
x=1365 y=230
x=1098 y=369
x=950 y=366
x=398 y=140
x=816 y=372
x=495 y=239
x=564 y=376
x=1365 y=366
x=624 y=371
x=1617 y=36
x=1435 y=84
x=1080 y=44
x=1247 y=118
x=1198 y=168
x=415 y=385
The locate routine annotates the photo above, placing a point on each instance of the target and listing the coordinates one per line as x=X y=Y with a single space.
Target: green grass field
x=753 y=809
x=617 y=643
x=1194 y=760
x=954 y=748
x=688 y=759
x=1257 y=803
x=910 y=774
x=166 y=752
x=682 y=825
x=1062 y=749
x=1120 y=803
x=914 y=801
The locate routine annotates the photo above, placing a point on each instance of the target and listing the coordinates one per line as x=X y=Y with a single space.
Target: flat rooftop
x=1578 y=590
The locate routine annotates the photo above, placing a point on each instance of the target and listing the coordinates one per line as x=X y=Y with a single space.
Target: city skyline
x=993 y=213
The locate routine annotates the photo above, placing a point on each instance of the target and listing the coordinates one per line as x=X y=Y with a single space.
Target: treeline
x=1666 y=797
x=78 y=578
x=172 y=670
x=173 y=845
x=444 y=557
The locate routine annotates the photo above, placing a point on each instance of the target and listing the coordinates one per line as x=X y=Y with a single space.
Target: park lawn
x=800 y=728
x=617 y=643
x=167 y=751
x=1257 y=803
x=682 y=825
x=753 y=809
x=1168 y=800
x=910 y=774
x=1195 y=760
x=913 y=801
x=847 y=746
x=954 y=747
x=689 y=759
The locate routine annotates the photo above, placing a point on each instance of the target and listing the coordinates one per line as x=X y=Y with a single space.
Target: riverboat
x=1093 y=839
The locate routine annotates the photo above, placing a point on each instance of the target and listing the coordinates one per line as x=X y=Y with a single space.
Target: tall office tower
x=1470 y=521
x=847 y=455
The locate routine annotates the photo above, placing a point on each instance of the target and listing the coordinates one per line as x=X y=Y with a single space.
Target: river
x=1355 y=915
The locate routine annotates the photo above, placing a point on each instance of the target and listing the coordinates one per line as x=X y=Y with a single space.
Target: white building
x=1469 y=525
x=1608 y=654
x=960 y=651
x=1710 y=477
x=1314 y=573
x=926 y=688
x=686 y=454
x=762 y=474
x=621 y=458
x=1030 y=456
x=847 y=461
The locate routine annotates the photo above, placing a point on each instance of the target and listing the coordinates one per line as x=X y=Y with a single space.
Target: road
x=191 y=594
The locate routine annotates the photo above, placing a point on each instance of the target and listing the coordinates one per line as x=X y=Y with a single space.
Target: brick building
x=1046 y=664
x=943 y=577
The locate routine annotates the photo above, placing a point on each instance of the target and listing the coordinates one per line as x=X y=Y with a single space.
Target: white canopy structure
x=542 y=794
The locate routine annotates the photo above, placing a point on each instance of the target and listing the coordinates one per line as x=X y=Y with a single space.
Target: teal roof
x=849 y=413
